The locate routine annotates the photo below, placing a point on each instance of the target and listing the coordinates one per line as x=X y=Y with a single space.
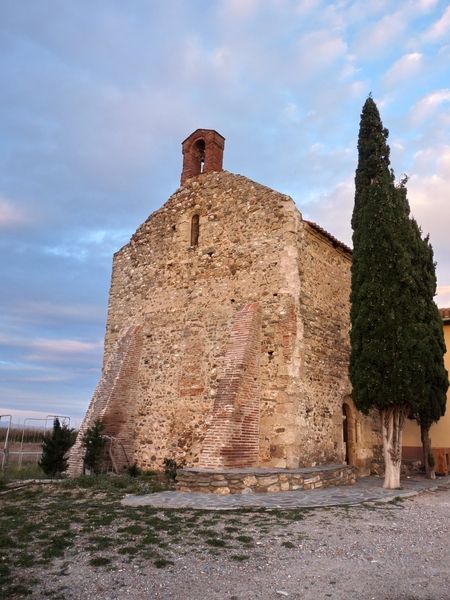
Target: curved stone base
x=262 y=480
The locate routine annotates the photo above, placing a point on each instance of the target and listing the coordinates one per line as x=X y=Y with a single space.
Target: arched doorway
x=349 y=434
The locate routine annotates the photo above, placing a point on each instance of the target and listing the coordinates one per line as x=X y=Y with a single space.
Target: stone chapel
x=227 y=339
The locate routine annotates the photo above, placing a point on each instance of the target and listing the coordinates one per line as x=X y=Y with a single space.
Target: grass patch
x=42 y=524
x=216 y=542
x=151 y=539
x=130 y=529
x=129 y=550
x=25 y=560
x=160 y=563
x=231 y=529
x=99 y=561
x=101 y=542
x=17 y=591
x=245 y=539
x=26 y=471
x=57 y=545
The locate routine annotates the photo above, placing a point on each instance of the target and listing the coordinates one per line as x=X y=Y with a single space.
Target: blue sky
x=97 y=97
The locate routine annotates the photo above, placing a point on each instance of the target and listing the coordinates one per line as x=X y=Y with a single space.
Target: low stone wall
x=261 y=480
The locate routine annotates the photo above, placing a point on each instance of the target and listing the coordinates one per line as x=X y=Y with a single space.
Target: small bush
x=54 y=449
x=134 y=471
x=94 y=442
x=170 y=468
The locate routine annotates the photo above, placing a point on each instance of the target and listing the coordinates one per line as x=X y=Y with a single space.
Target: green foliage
x=133 y=470
x=387 y=347
x=432 y=346
x=94 y=442
x=170 y=468
x=54 y=449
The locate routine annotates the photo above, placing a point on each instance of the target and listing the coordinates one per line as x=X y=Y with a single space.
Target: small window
x=200 y=155
x=195 y=230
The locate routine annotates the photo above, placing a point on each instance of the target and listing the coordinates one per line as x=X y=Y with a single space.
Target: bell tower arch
x=202 y=153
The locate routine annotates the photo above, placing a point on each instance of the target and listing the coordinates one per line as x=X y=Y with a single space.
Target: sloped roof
x=330 y=237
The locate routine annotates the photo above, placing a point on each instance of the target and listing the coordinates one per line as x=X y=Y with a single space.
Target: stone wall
x=187 y=297
x=114 y=401
x=253 y=248
x=247 y=481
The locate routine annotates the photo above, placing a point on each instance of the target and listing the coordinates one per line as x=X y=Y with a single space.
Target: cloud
x=379 y=38
x=19 y=415
x=32 y=310
x=92 y=129
x=428 y=194
x=428 y=105
x=65 y=346
x=405 y=67
x=443 y=296
x=319 y=50
x=82 y=245
x=63 y=351
x=440 y=28
x=332 y=210
x=426 y=5
x=56 y=349
x=10 y=215
x=239 y=9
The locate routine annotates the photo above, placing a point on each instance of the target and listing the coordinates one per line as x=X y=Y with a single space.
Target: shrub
x=94 y=442
x=54 y=449
x=134 y=471
x=170 y=468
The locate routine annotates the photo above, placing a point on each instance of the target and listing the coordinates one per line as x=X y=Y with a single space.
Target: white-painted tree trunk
x=392 y=421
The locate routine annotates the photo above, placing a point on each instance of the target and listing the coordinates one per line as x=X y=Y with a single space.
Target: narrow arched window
x=195 y=230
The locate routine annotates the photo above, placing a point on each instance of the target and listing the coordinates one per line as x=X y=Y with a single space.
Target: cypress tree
x=385 y=368
x=54 y=449
x=432 y=402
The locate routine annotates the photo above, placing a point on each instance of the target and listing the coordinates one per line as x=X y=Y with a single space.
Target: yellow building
x=440 y=431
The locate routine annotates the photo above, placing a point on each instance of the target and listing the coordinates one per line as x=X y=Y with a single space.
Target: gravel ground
x=395 y=551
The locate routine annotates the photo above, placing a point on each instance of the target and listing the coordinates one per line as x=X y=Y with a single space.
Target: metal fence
x=21 y=443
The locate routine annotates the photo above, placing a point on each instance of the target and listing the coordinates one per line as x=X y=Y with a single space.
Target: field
x=74 y=539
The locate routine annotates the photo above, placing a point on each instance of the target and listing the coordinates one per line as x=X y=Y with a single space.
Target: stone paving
x=366 y=489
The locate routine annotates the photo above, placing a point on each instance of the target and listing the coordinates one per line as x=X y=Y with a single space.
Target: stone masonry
x=242 y=309
x=248 y=481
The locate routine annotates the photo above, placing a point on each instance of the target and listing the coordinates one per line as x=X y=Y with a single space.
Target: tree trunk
x=428 y=460
x=392 y=420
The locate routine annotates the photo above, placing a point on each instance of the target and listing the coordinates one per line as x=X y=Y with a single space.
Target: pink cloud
x=440 y=28
x=10 y=215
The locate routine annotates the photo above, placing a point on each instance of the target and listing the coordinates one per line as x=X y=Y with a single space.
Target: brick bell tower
x=202 y=153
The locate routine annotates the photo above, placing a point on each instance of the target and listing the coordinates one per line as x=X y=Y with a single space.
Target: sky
x=97 y=96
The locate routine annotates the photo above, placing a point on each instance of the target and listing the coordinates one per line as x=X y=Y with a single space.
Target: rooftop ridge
x=329 y=236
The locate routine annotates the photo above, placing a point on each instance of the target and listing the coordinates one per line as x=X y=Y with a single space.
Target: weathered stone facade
x=243 y=312
x=260 y=481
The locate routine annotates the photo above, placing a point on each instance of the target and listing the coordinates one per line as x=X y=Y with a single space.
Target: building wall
x=439 y=432
x=325 y=312
x=253 y=249
x=186 y=298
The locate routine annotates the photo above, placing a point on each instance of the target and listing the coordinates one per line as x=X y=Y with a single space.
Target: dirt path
x=383 y=552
